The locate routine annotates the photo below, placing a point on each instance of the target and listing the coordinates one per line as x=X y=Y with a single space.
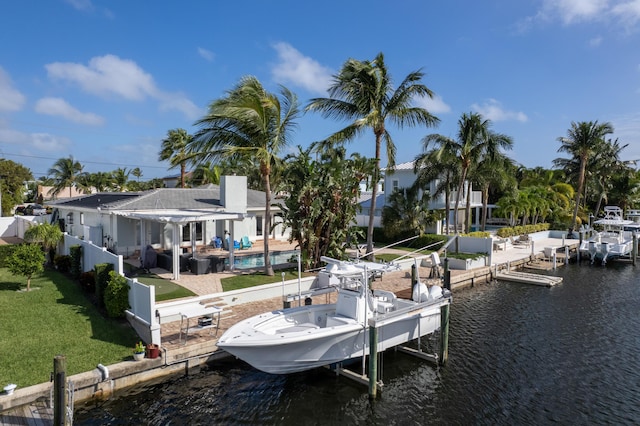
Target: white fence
x=91 y=254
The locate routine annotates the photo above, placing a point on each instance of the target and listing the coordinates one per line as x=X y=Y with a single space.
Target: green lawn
x=251 y=280
x=54 y=318
x=165 y=289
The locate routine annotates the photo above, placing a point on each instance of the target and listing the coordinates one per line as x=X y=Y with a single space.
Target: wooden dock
x=527 y=278
x=38 y=413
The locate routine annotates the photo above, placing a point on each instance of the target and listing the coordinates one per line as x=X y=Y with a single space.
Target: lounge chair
x=245 y=243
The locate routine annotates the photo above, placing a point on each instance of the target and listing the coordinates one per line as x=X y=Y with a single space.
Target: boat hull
x=315 y=336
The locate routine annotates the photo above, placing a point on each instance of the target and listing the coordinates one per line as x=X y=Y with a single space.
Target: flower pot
x=153 y=351
x=138 y=356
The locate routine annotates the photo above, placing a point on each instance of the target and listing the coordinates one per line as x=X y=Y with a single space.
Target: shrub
x=478 y=234
x=88 y=281
x=76 y=261
x=102 y=271
x=520 y=230
x=116 y=295
x=63 y=263
x=5 y=252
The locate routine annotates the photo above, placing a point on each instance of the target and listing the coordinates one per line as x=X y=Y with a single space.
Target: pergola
x=176 y=218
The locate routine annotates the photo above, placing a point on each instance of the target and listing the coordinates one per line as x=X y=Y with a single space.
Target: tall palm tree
x=248 y=123
x=475 y=140
x=363 y=93
x=65 y=173
x=493 y=173
x=582 y=140
x=174 y=149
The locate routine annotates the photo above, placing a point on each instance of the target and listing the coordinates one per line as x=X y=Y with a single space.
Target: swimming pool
x=257 y=260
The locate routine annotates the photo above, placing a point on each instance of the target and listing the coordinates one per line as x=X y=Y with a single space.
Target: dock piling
x=444 y=334
x=373 y=362
x=60 y=391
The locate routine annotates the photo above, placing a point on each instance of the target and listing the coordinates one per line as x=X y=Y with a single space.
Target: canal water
x=518 y=354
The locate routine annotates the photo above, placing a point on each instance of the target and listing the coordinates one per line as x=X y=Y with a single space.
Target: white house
x=403 y=176
x=168 y=218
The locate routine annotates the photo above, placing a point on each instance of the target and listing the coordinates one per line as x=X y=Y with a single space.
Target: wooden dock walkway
x=38 y=413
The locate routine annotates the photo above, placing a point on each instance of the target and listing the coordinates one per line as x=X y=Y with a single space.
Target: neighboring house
x=174 y=180
x=362 y=217
x=167 y=218
x=46 y=192
x=403 y=176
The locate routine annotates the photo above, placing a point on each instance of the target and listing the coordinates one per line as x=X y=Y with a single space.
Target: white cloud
x=595 y=42
x=621 y=13
x=628 y=12
x=49 y=143
x=28 y=143
x=572 y=11
x=60 y=107
x=435 y=105
x=110 y=75
x=206 y=54
x=10 y=98
x=84 y=5
x=106 y=75
x=493 y=110
x=302 y=71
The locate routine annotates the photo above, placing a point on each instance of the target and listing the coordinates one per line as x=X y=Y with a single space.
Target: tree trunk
x=268 y=269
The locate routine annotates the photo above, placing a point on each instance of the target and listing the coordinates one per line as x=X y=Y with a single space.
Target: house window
x=259 y=226
x=186 y=231
x=81 y=218
x=395 y=185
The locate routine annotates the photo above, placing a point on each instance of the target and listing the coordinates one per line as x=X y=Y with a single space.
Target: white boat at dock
x=613 y=241
x=302 y=338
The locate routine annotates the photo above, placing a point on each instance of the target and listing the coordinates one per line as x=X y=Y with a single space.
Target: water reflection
x=518 y=354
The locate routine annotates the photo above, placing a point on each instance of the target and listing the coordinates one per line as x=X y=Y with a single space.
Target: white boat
x=302 y=338
x=612 y=241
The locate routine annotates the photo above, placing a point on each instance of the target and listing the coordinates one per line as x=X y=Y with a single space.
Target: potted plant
x=138 y=351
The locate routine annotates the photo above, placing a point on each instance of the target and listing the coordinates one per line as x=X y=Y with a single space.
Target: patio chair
x=245 y=243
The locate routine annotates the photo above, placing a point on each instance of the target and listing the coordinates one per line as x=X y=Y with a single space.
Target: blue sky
x=104 y=81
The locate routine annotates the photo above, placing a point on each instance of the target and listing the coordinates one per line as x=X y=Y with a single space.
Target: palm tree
x=137 y=173
x=475 y=141
x=46 y=234
x=65 y=173
x=493 y=173
x=101 y=181
x=248 y=123
x=174 y=149
x=429 y=167
x=206 y=173
x=120 y=178
x=363 y=93
x=407 y=211
x=581 y=142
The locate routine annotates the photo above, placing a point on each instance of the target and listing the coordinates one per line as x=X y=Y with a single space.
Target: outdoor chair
x=245 y=243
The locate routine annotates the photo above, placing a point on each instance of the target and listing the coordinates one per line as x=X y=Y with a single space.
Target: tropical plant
x=26 y=260
x=174 y=149
x=249 y=123
x=206 y=173
x=475 y=141
x=47 y=235
x=407 y=212
x=120 y=179
x=322 y=201
x=363 y=93
x=430 y=166
x=582 y=140
x=493 y=172
x=66 y=173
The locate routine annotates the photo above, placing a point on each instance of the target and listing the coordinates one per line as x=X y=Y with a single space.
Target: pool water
x=257 y=260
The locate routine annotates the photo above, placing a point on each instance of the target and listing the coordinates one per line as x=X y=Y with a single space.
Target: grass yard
x=54 y=318
x=252 y=280
x=165 y=289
